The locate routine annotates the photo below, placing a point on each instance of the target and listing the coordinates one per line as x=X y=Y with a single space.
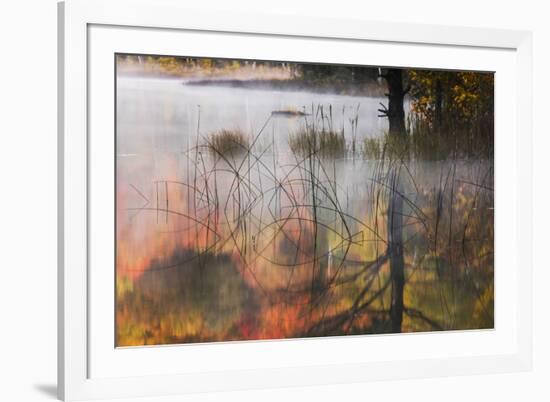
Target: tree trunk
x=438 y=104
x=396 y=95
x=395 y=246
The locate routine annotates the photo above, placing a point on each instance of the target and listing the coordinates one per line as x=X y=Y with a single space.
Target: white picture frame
x=88 y=25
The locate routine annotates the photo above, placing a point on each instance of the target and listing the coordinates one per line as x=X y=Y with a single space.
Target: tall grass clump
x=371 y=148
x=228 y=143
x=435 y=142
x=325 y=143
x=387 y=146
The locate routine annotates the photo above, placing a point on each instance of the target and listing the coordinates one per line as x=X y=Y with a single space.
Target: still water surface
x=272 y=244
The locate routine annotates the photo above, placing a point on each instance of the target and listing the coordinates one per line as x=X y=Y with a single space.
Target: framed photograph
x=255 y=201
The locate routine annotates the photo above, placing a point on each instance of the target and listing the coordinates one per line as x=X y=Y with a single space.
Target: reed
x=228 y=143
x=386 y=147
x=324 y=143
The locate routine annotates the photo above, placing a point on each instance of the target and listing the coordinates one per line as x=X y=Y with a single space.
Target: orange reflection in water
x=206 y=258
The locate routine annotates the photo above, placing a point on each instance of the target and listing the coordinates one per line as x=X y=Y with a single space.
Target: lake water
x=272 y=243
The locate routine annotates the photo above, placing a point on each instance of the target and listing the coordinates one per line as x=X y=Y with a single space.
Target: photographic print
x=261 y=199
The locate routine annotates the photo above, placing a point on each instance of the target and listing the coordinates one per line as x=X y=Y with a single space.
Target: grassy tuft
x=228 y=143
x=388 y=146
x=324 y=143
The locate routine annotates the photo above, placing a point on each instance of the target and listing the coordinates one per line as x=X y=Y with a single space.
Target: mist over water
x=165 y=112
x=272 y=244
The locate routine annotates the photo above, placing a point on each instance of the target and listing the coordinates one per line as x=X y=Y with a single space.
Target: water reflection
x=251 y=237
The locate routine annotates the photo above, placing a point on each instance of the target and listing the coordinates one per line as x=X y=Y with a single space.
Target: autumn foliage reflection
x=267 y=233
